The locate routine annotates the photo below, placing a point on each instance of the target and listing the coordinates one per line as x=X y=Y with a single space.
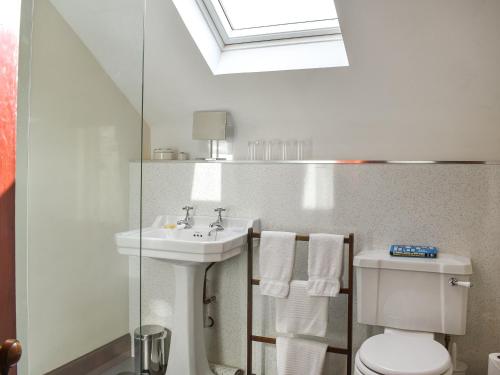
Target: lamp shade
x=209 y=125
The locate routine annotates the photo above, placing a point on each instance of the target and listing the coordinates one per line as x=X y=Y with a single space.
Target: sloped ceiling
x=112 y=30
x=423 y=74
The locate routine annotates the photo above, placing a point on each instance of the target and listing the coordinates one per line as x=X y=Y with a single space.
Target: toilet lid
x=391 y=354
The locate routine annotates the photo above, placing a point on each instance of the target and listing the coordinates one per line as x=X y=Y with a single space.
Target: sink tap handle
x=220 y=210
x=187 y=209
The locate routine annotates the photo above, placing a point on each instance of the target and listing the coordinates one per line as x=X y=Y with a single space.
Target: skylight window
x=244 y=14
x=250 y=36
x=242 y=21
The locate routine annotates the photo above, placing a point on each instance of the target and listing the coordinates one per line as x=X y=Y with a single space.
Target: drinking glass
x=290 y=152
x=304 y=148
x=275 y=150
x=260 y=149
x=251 y=150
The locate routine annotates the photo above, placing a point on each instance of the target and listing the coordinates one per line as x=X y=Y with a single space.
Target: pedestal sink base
x=187 y=351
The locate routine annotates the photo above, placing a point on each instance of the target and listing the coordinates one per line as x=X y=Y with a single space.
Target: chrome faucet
x=217 y=225
x=188 y=220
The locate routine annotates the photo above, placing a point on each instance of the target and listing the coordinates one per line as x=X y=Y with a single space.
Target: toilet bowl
x=400 y=352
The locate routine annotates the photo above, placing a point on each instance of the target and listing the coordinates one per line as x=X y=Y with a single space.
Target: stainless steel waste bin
x=152 y=345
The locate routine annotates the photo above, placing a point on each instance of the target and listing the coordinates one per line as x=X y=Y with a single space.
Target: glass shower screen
x=80 y=150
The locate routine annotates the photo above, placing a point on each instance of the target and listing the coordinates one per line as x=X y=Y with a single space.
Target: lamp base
x=213 y=146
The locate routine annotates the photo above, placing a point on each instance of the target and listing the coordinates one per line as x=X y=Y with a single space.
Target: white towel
x=325 y=264
x=277 y=254
x=301 y=313
x=299 y=356
x=224 y=370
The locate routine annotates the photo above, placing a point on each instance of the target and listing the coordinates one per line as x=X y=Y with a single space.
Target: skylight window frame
x=228 y=37
x=310 y=52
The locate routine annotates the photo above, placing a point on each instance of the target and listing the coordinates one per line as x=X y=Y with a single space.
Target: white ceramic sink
x=188 y=250
x=189 y=245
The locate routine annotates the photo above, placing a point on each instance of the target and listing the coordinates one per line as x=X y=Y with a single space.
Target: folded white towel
x=301 y=313
x=224 y=370
x=299 y=356
x=325 y=264
x=277 y=254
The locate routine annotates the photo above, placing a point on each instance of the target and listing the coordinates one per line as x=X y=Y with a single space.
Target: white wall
x=73 y=294
x=453 y=207
x=422 y=82
x=422 y=85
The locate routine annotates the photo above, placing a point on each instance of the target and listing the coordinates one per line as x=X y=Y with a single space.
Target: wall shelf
x=403 y=162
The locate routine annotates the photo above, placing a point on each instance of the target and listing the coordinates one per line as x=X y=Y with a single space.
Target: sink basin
x=188 y=250
x=189 y=245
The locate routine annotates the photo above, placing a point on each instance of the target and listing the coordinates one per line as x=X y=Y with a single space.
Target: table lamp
x=210 y=126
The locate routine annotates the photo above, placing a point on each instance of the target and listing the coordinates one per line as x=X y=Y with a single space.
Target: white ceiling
x=424 y=79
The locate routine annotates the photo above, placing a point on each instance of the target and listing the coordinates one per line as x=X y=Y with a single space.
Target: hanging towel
x=277 y=254
x=325 y=264
x=299 y=356
x=301 y=313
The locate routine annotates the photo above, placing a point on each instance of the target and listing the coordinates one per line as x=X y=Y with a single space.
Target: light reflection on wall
x=99 y=186
x=160 y=311
x=207 y=182
x=318 y=188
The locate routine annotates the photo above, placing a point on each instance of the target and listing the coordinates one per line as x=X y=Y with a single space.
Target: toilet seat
x=403 y=353
x=361 y=369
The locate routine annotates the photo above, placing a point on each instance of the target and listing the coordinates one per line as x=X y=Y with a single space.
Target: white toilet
x=412 y=298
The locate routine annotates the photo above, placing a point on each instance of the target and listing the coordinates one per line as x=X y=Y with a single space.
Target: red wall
x=9 y=45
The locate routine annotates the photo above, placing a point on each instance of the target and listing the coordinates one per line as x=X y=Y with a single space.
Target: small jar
x=183 y=156
x=164 y=154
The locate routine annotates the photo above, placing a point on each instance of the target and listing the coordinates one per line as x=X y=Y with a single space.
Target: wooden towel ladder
x=349 y=241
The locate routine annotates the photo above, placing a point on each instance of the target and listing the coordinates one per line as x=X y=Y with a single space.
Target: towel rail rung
x=342 y=290
x=301 y=237
x=272 y=340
